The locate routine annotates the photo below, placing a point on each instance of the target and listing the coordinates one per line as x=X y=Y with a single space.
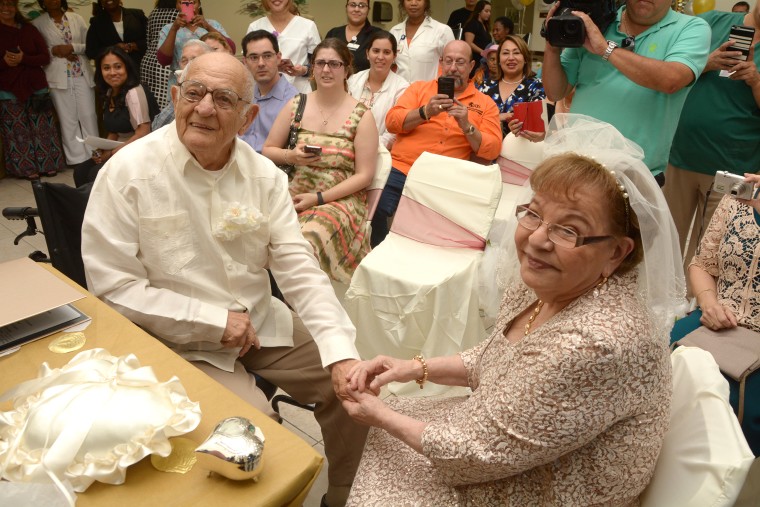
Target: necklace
x=533 y=316
x=511 y=82
x=325 y=119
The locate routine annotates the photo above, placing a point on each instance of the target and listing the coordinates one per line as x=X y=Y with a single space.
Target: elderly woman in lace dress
x=570 y=394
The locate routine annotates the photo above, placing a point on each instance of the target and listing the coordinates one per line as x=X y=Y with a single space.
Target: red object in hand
x=529 y=113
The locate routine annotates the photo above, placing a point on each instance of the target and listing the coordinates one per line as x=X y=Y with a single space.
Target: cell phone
x=310 y=148
x=446 y=86
x=741 y=36
x=188 y=9
x=285 y=62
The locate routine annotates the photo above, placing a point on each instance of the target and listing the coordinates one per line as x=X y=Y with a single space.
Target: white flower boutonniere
x=237 y=219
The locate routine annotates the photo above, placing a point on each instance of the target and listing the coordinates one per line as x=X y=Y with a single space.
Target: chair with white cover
x=382 y=170
x=705 y=457
x=416 y=292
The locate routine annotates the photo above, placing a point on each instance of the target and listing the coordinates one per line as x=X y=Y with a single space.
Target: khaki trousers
x=685 y=192
x=298 y=371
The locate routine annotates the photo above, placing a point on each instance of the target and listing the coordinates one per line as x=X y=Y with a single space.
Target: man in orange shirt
x=464 y=127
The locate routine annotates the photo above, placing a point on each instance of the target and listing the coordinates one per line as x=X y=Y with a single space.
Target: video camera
x=566 y=30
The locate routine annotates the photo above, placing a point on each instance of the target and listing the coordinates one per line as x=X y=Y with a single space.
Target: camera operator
x=719 y=128
x=635 y=75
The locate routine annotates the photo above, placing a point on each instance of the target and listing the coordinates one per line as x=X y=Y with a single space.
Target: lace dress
x=572 y=415
x=337 y=230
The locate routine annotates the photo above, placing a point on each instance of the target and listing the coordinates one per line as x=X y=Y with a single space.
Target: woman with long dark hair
x=31 y=142
x=127 y=107
x=116 y=25
x=477 y=29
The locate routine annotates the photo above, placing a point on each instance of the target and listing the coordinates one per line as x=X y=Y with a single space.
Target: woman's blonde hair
x=562 y=175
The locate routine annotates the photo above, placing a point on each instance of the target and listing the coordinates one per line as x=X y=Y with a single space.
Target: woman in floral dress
x=328 y=187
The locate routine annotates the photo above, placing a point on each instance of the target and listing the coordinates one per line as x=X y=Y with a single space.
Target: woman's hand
x=180 y=21
x=515 y=126
x=62 y=50
x=716 y=316
x=200 y=21
x=365 y=408
x=302 y=202
x=506 y=117
x=13 y=59
x=297 y=156
x=101 y=156
x=755 y=180
x=377 y=372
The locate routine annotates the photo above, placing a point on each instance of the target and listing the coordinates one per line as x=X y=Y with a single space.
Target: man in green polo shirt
x=719 y=128
x=638 y=86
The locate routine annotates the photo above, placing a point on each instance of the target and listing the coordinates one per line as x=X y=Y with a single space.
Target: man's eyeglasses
x=461 y=63
x=360 y=5
x=254 y=58
x=193 y=91
x=333 y=64
x=558 y=234
x=629 y=43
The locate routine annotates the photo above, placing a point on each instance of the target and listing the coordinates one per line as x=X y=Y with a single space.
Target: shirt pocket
x=256 y=246
x=167 y=241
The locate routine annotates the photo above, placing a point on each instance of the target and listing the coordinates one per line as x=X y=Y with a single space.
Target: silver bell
x=234 y=449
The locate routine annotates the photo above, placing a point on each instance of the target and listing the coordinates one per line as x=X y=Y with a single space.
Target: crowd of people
x=193 y=223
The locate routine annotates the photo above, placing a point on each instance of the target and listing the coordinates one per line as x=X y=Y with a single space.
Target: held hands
x=365 y=408
x=339 y=373
x=239 y=332
x=377 y=372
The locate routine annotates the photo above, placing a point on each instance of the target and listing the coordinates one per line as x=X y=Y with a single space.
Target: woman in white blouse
x=421 y=40
x=69 y=77
x=378 y=87
x=296 y=35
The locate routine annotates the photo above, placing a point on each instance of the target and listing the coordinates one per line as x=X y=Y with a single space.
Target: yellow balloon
x=701 y=6
x=526 y=2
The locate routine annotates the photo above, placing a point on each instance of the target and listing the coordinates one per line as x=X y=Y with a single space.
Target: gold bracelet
x=421 y=381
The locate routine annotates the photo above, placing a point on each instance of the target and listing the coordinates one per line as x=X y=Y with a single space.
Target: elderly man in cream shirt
x=178 y=232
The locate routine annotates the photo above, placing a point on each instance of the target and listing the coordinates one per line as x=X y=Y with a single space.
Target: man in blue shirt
x=635 y=75
x=261 y=54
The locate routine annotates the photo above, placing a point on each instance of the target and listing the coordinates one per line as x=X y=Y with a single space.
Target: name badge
x=352 y=46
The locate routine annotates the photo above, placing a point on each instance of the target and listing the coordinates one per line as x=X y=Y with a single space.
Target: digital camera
x=732 y=184
x=566 y=30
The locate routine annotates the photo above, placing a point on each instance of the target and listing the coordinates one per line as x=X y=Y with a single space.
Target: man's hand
x=720 y=59
x=437 y=104
x=595 y=41
x=365 y=408
x=458 y=111
x=239 y=332
x=747 y=72
x=339 y=372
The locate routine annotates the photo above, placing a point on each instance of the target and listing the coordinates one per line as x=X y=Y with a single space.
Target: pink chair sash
x=513 y=172
x=373 y=196
x=420 y=223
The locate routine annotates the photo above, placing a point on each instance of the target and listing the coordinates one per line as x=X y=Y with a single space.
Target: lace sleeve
x=707 y=253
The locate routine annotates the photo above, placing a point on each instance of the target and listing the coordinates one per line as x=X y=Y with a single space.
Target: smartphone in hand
x=309 y=148
x=188 y=9
x=446 y=86
x=741 y=38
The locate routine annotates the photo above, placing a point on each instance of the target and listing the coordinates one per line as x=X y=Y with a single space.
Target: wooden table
x=290 y=464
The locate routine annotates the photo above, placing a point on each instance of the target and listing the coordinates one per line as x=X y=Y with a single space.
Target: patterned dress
x=337 y=230
x=574 y=414
x=730 y=252
x=529 y=90
x=152 y=73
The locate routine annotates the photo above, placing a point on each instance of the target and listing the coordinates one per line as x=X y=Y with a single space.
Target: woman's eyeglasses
x=558 y=234
x=360 y=5
x=333 y=64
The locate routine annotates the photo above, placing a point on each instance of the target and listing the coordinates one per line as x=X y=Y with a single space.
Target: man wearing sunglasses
x=635 y=75
x=178 y=235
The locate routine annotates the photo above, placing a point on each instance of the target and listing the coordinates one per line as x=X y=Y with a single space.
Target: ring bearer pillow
x=89 y=420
